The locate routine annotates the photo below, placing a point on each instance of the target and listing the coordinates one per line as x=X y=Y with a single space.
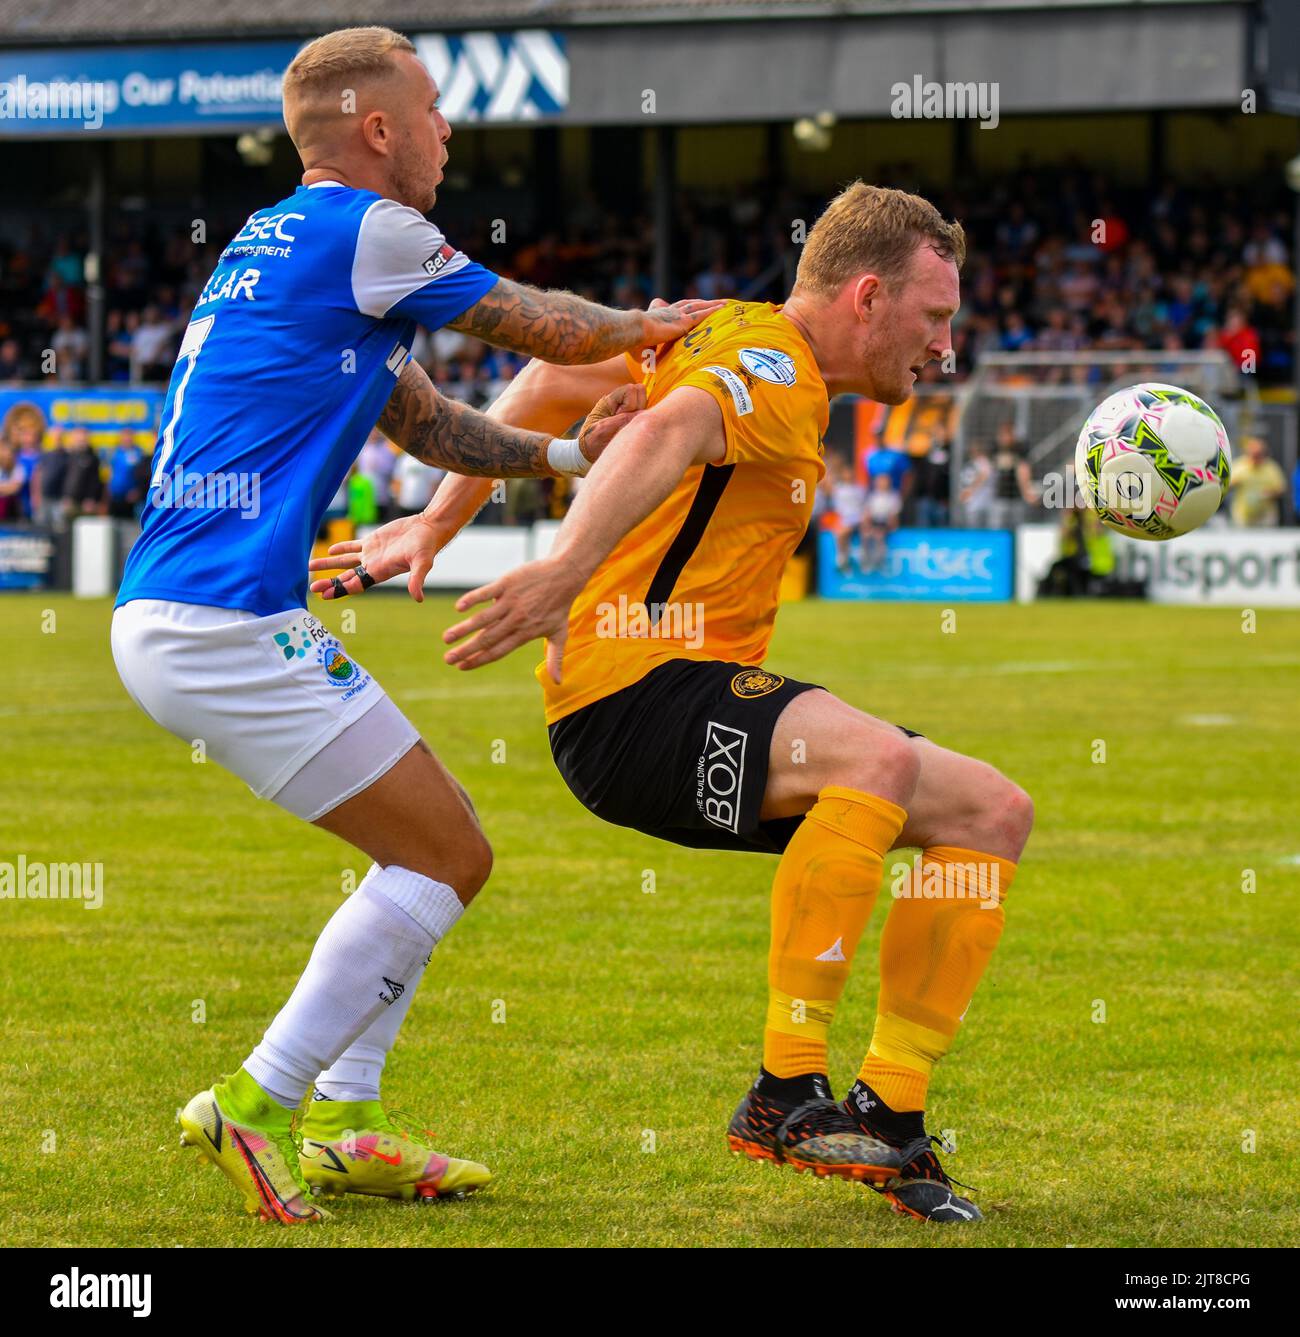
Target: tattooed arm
x=542 y=396
x=561 y=327
x=450 y=435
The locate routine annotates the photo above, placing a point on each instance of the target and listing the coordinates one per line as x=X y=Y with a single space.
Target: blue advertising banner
x=141 y=88
x=105 y=410
x=961 y=565
x=198 y=87
x=26 y=558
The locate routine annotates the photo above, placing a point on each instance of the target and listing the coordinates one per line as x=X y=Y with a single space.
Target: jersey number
x=195 y=333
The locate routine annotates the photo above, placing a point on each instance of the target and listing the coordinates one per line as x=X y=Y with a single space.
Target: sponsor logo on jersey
x=437 y=260
x=739 y=390
x=769 y=364
x=755 y=682
x=720 y=774
x=262 y=227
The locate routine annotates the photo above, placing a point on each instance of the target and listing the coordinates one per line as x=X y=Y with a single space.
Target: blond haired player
x=693 y=515
x=299 y=343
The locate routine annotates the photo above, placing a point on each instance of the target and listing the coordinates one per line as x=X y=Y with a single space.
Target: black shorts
x=682 y=754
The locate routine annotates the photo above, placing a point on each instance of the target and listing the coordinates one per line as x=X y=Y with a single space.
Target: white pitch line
x=1010 y=667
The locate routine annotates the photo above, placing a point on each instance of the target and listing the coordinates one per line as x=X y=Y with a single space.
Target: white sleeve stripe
x=396 y=254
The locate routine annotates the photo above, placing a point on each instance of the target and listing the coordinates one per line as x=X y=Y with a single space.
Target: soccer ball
x=1154 y=460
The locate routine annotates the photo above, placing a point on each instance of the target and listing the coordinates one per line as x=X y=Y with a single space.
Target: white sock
x=366 y=960
x=355 y=1074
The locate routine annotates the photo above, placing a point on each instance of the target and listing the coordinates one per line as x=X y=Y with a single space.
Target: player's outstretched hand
x=608 y=417
x=530 y=601
x=406 y=545
x=664 y=322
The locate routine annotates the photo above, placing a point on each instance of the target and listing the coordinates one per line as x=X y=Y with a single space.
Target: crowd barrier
x=1217 y=565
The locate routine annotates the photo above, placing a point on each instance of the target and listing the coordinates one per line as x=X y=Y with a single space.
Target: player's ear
x=866 y=291
x=376 y=132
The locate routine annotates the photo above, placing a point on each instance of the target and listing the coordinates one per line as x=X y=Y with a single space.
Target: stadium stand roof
x=46 y=22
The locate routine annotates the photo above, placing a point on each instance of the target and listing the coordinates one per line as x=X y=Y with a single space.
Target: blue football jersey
x=292 y=352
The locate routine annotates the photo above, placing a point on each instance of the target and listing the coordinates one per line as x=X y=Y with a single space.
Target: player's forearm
x=624 y=486
x=457 y=501
x=548 y=398
x=541 y=398
x=447 y=434
x=554 y=326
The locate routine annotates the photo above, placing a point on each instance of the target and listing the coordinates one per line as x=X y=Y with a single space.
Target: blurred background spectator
x=931 y=483
x=883 y=509
x=977 y=489
x=413 y=484
x=83 y=485
x=128 y=478
x=12 y=483
x=1013 y=485
x=1257 y=486
x=1180 y=264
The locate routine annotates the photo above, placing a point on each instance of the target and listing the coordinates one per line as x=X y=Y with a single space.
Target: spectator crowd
x=1060 y=260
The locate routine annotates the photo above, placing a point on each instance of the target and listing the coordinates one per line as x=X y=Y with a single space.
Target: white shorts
x=276 y=700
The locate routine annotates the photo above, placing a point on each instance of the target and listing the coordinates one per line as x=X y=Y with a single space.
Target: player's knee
x=464 y=863
x=1020 y=808
x=473 y=864
x=1008 y=814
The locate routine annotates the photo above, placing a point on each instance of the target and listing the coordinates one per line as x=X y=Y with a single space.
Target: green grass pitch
x=588 y=1039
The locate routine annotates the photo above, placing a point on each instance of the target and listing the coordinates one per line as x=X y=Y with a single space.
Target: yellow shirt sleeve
x=763 y=419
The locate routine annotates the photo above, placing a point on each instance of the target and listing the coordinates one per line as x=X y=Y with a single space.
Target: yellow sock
x=825 y=886
x=937 y=942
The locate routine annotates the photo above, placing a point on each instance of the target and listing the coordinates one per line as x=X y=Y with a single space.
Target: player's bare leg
x=417 y=816
x=820 y=740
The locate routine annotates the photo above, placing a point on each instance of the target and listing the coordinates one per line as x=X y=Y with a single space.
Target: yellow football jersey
x=699 y=578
